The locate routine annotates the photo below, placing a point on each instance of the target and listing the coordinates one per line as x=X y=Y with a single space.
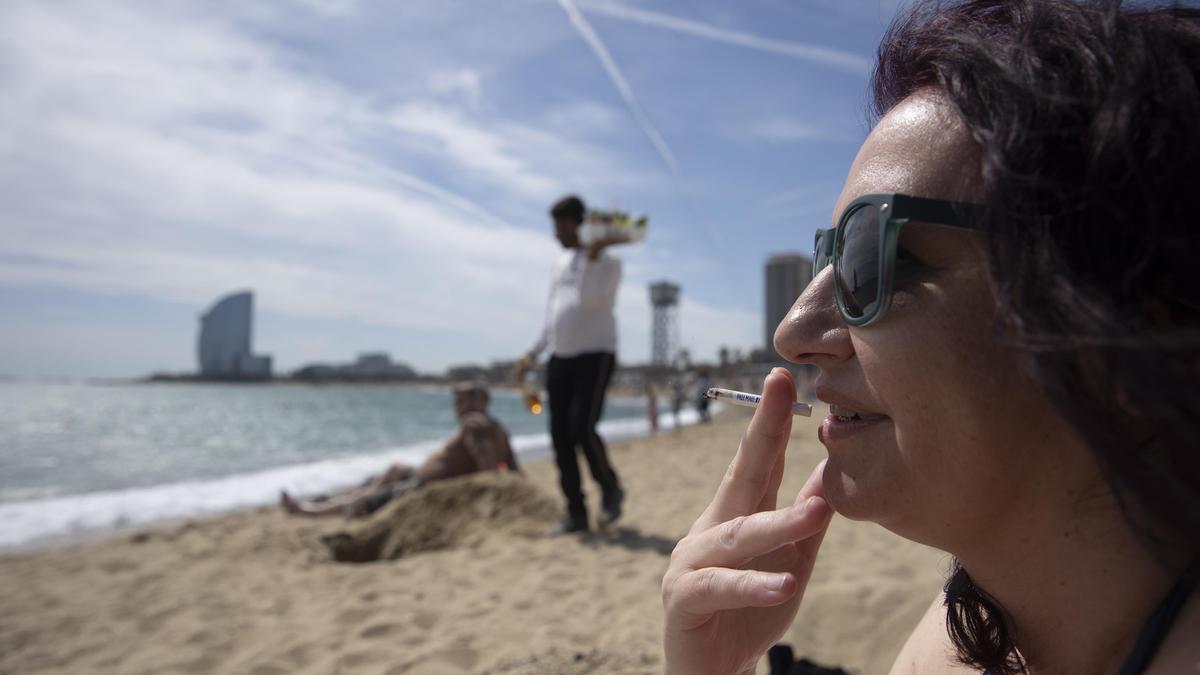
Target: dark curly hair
x=1087 y=118
x=569 y=208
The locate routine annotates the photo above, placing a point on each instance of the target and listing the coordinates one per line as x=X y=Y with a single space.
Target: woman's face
x=953 y=432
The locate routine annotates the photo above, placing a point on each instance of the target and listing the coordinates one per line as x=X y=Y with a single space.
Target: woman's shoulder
x=928 y=650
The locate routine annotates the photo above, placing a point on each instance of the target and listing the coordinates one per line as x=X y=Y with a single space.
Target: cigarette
x=752 y=400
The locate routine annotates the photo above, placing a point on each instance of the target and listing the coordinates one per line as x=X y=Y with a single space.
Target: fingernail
x=802 y=506
x=775 y=582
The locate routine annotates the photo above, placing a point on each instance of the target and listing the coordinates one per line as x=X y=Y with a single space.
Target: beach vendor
x=580 y=332
x=480 y=444
x=1006 y=321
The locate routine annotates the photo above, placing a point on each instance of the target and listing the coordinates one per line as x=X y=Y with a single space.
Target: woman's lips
x=834 y=428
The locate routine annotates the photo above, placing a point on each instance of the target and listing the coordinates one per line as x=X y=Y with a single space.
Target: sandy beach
x=467 y=583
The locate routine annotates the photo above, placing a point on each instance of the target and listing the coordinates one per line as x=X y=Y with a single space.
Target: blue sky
x=379 y=172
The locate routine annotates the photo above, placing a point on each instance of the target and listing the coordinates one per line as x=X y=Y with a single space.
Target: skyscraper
x=224 y=344
x=786 y=276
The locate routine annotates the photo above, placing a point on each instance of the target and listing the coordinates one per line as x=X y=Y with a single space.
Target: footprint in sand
x=459 y=657
x=200 y=637
x=299 y=655
x=378 y=630
x=355 y=660
x=425 y=620
x=357 y=615
x=416 y=640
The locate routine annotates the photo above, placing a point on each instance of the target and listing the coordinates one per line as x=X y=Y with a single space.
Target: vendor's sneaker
x=612 y=507
x=569 y=525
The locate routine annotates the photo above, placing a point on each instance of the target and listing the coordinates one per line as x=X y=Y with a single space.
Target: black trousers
x=576 y=386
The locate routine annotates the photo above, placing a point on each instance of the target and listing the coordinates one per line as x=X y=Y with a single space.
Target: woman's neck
x=1079 y=585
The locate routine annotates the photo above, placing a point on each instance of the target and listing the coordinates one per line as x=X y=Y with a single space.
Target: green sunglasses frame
x=895 y=210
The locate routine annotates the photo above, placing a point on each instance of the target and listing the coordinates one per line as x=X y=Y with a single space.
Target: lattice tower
x=664 y=301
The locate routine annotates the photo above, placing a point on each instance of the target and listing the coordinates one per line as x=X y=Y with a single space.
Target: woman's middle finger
x=737 y=541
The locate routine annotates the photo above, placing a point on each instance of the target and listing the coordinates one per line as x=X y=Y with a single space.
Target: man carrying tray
x=581 y=333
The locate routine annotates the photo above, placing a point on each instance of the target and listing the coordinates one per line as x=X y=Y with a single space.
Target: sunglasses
x=862 y=248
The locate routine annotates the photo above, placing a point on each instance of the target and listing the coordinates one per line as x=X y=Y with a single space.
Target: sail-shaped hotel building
x=224 y=345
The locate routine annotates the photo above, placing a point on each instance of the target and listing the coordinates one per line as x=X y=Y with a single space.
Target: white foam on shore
x=25 y=522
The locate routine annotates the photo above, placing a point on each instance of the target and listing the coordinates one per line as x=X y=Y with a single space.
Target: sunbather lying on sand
x=480 y=444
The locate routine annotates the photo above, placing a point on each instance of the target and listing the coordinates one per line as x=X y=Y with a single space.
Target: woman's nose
x=813 y=330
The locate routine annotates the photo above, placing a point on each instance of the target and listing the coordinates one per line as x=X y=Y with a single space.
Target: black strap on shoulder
x=1157 y=627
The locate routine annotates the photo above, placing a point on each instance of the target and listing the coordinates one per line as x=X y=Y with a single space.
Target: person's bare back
x=480 y=444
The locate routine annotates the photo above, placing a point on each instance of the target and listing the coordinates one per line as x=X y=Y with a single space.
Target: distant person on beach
x=1005 y=318
x=651 y=407
x=703 y=383
x=678 y=396
x=480 y=444
x=580 y=331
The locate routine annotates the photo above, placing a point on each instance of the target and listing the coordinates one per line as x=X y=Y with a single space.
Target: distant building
x=368 y=367
x=224 y=346
x=374 y=361
x=378 y=366
x=495 y=373
x=501 y=372
x=466 y=373
x=786 y=276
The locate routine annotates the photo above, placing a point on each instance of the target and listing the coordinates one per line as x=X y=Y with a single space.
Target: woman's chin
x=850 y=497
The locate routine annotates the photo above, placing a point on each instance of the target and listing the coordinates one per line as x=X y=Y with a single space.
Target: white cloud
x=491 y=155
x=160 y=154
x=463 y=82
x=584 y=117
x=330 y=7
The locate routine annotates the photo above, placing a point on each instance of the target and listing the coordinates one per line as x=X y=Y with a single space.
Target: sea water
x=76 y=458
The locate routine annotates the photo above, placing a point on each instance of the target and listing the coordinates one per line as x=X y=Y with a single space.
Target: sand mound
x=448 y=514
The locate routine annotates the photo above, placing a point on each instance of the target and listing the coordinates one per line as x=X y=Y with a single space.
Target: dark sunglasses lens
x=857 y=271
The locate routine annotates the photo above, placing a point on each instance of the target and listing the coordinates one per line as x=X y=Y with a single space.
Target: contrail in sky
x=619 y=81
x=834 y=58
x=660 y=144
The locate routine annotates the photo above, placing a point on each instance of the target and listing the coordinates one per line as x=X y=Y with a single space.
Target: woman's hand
x=736 y=580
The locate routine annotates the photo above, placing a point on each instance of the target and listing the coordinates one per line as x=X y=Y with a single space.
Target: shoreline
x=257 y=592
x=94 y=516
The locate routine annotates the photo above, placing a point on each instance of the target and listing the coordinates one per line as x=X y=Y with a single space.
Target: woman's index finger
x=748 y=479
